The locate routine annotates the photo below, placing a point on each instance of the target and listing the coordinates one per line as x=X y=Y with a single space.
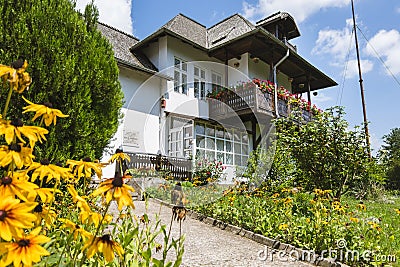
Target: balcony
x=256 y=97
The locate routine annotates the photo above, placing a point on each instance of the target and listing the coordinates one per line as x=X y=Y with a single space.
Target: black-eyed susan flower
x=105 y=245
x=354 y=219
x=44 y=169
x=75 y=229
x=361 y=206
x=44 y=213
x=16 y=129
x=119 y=156
x=46 y=195
x=85 y=168
x=16 y=184
x=48 y=113
x=283 y=226
x=17 y=154
x=179 y=213
x=91 y=217
x=26 y=250
x=115 y=189
x=76 y=198
x=16 y=75
x=15 y=216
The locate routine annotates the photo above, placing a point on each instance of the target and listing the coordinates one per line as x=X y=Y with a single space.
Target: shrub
x=72 y=67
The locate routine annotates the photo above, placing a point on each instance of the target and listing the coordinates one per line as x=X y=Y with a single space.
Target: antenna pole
x=361 y=84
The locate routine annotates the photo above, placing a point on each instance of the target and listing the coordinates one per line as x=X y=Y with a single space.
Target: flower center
x=118 y=151
x=48 y=104
x=3 y=215
x=15 y=147
x=38 y=208
x=17 y=64
x=45 y=162
x=6 y=180
x=17 y=122
x=106 y=238
x=87 y=159
x=117 y=181
x=24 y=243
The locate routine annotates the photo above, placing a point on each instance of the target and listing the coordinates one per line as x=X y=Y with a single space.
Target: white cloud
x=116 y=13
x=386 y=44
x=299 y=9
x=336 y=43
x=352 y=67
x=320 y=99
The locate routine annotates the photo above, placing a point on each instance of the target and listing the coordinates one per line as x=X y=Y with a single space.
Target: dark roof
x=284 y=21
x=228 y=29
x=121 y=42
x=188 y=28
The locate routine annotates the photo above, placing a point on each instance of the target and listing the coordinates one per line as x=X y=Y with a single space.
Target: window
x=199 y=83
x=216 y=81
x=180 y=137
x=230 y=146
x=180 y=76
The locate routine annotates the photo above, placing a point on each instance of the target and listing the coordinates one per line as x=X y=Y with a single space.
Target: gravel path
x=206 y=245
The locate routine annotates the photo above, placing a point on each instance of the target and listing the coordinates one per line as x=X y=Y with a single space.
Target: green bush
x=72 y=67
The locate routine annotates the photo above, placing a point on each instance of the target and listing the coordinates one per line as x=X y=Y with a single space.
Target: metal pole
x=361 y=83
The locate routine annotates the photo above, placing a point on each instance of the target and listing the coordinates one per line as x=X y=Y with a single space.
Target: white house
x=167 y=76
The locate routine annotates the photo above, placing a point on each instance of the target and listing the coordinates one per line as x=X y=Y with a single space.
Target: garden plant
x=52 y=214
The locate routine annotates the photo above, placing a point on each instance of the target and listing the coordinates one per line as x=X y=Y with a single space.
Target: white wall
x=139 y=128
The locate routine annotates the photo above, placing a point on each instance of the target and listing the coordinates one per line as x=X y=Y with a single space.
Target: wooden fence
x=175 y=168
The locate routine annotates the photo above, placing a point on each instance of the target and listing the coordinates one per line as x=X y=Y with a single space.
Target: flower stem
x=7 y=102
x=98 y=228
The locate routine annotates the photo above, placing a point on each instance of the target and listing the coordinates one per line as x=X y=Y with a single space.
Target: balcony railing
x=249 y=97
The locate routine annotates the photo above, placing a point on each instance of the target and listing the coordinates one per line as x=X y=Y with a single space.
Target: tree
x=72 y=67
x=390 y=154
x=326 y=153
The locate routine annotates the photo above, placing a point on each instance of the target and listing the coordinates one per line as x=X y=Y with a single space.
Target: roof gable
x=228 y=29
x=121 y=43
x=188 y=29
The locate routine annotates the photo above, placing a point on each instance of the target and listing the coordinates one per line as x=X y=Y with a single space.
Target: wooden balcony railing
x=251 y=99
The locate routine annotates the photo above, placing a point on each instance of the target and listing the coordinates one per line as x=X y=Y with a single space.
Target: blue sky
x=326 y=41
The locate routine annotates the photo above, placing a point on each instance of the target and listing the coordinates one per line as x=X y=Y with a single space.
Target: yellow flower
x=16 y=184
x=51 y=171
x=283 y=226
x=15 y=216
x=275 y=195
x=46 y=195
x=44 y=213
x=80 y=201
x=397 y=211
x=46 y=110
x=26 y=250
x=119 y=156
x=16 y=75
x=287 y=201
x=91 y=217
x=17 y=154
x=85 y=167
x=105 y=245
x=355 y=220
x=15 y=129
x=361 y=206
x=115 y=188
x=75 y=228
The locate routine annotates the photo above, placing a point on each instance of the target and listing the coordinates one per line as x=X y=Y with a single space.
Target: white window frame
x=216 y=80
x=199 y=82
x=232 y=140
x=180 y=76
x=180 y=138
